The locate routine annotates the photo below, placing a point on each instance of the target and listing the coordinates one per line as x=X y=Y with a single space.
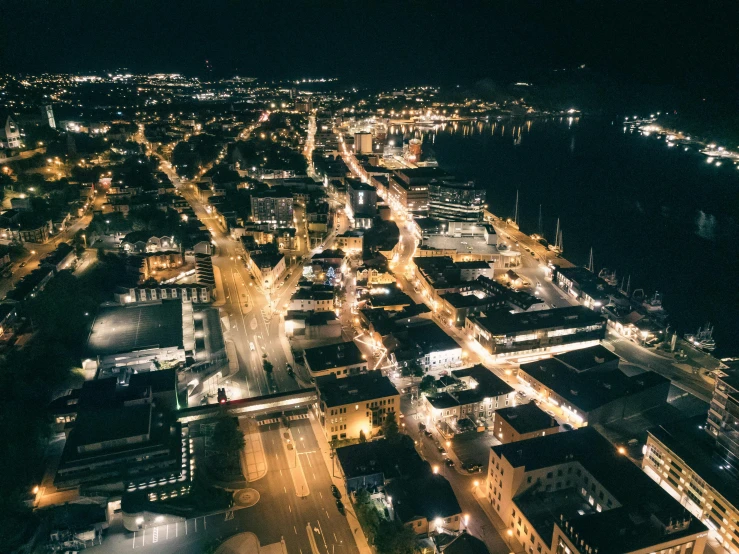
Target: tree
x=413 y=369
x=228 y=441
x=267 y=365
x=362 y=436
x=390 y=427
x=394 y=538
x=427 y=384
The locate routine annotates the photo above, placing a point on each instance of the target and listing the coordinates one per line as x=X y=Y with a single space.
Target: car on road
x=567 y=427
x=23 y=264
x=521 y=394
x=551 y=413
x=340 y=506
x=472 y=468
x=336 y=492
x=251 y=347
x=441 y=450
x=449 y=462
x=427 y=433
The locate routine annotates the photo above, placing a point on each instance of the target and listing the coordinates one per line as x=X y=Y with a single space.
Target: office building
x=272 y=207
x=355 y=405
x=451 y=200
x=505 y=335
x=695 y=461
x=267 y=268
x=361 y=198
x=575 y=493
x=363 y=142
x=589 y=388
x=122 y=436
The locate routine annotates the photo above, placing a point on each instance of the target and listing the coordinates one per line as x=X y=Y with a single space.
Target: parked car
x=336 y=492
x=427 y=433
x=567 y=427
x=340 y=506
x=441 y=450
x=472 y=468
x=449 y=462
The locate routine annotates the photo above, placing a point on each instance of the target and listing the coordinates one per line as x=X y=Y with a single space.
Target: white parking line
x=134 y=540
x=155 y=535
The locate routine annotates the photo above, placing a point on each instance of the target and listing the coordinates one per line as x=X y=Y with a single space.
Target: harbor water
x=659 y=214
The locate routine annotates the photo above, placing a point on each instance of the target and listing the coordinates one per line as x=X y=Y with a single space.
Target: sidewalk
x=220 y=296
x=495 y=521
x=351 y=517
x=252 y=457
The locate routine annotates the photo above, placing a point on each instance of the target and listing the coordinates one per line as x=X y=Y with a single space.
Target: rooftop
x=591 y=389
x=332 y=356
x=267 y=261
x=647 y=511
x=526 y=418
x=437 y=499
x=354 y=389
x=584 y=359
x=392 y=459
x=119 y=329
x=688 y=440
x=502 y=322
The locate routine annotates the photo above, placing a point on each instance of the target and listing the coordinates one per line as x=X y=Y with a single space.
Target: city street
x=279 y=514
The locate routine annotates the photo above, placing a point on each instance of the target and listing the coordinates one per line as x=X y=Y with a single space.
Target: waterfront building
x=505 y=335
x=575 y=493
x=589 y=388
x=451 y=200
x=695 y=461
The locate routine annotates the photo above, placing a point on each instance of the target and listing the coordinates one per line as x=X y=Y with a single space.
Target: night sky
x=649 y=42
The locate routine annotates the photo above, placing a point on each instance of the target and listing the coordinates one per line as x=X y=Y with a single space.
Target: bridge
x=251 y=407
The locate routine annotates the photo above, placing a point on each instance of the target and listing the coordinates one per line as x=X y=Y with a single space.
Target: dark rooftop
x=502 y=322
x=354 y=389
x=645 y=509
x=428 y=496
x=331 y=356
x=526 y=418
x=119 y=329
x=688 y=440
x=590 y=389
x=380 y=456
x=584 y=359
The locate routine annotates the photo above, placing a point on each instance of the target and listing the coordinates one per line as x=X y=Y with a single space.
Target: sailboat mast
x=591 y=266
x=515 y=215
x=540 y=230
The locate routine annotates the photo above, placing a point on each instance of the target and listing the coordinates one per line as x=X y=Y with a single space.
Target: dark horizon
x=649 y=44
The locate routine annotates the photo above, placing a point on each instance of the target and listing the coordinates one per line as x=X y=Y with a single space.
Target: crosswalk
x=271 y=420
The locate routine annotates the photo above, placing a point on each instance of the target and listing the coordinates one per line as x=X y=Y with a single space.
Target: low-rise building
x=574 y=492
x=135 y=337
x=522 y=422
x=426 y=504
x=187 y=292
x=122 y=436
x=475 y=394
x=355 y=405
x=506 y=335
x=267 y=268
x=312 y=325
x=312 y=299
x=342 y=360
x=589 y=388
x=350 y=242
x=427 y=345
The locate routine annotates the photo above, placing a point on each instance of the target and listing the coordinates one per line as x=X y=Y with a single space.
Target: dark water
x=662 y=215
